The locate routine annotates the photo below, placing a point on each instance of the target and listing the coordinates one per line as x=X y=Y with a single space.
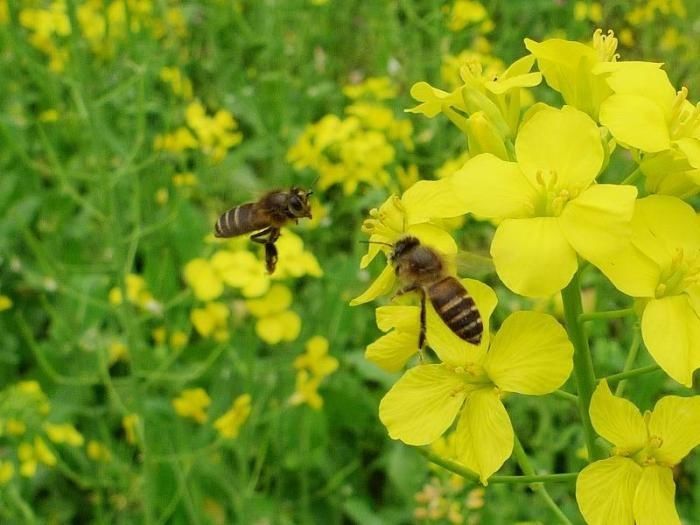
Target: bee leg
x=270 y=257
x=267 y=238
x=421 y=335
x=403 y=291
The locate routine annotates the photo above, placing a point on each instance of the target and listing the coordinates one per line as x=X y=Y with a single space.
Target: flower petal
x=670 y=222
x=381 y=285
x=447 y=345
x=654 y=500
x=676 y=420
x=671 y=332
x=422 y=405
x=532 y=256
x=617 y=419
x=484 y=435
x=530 y=354
x=490 y=187
x=391 y=351
x=435 y=237
x=403 y=317
x=431 y=199
x=605 y=491
x=636 y=121
x=554 y=140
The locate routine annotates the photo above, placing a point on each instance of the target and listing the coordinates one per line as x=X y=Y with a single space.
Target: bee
x=424 y=271
x=270 y=213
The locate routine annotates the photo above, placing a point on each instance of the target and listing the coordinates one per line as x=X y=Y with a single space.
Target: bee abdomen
x=457 y=309
x=237 y=221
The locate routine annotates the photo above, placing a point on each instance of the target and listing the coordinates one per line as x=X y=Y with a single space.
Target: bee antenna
x=377 y=242
x=313 y=184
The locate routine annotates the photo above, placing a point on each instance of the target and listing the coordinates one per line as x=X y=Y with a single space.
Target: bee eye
x=295 y=204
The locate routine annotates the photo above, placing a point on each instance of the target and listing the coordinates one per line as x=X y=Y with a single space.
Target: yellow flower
x=415 y=214
x=30 y=456
x=241 y=269
x=464 y=13
x=202 y=277
x=15 y=427
x=377 y=88
x=229 y=424
x=96 y=451
x=294 y=261
x=179 y=83
x=7 y=471
x=548 y=207
x=49 y=115
x=192 y=403
x=574 y=69
x=117 y=351
x=307 y=391
x=64 y=433
x=316 y=359
x=159 y=334
x=178 y=339
x=661 y=266
x=5 y=303
x=659 y=122
x=531 y=355
x=402 y=324
x=129 y=423
x=275 y=322
x=185 y=179
x=212 y=320
x=137 y=293
x=636 y=484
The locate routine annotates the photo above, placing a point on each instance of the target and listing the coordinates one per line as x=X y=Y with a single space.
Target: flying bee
x=423 y=270
x=270 y=213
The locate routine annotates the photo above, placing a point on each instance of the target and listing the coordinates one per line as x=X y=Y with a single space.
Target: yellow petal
x=435 y=237
x=676 y=420
x=400 y=317
x=632 y=272
x=654 y=501
x=554 y=140
x=381 y=285
x=422 y=405
x=431 y=199
x=617 y=419
x=644 y=79
x=391 y=351
x=484 y=435
x=530 y=354
x=605 y=491
x=671 y=222
x=532 y=256
x=200 y=275
x=447 y=345
x=671 y=332
x=636 y=121
x=490 y=187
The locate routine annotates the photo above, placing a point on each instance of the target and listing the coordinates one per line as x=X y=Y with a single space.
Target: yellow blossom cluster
x=137 y=293
x=230 y=422
x=26 y=429
x=193 y=403
x=466 y=13
x=103 y=24
x=180 y=85
x=214 y=135
x=276 y=322
x=312 y=368
x=362 y=147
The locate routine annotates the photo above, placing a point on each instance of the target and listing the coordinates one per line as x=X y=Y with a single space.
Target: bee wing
x=473 y=264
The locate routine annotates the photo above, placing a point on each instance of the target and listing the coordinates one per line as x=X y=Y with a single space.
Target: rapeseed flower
x=275 y=321
x=316 y=359
x=373 y=88
x=306 y=390
x=530 y=354
x=574 y=69
x=547 y=204
x=636 y=485
x=229 y=424
x=5 y=303
x=31 y=455
x=660 y=265
x=7 y=472
x=646 y=113
x=99 y=452
x=129 y=423
x=192 y=403
x=64 y=433
x=212 y=321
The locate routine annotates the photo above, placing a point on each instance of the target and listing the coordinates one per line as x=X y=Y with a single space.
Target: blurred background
x=152 y=374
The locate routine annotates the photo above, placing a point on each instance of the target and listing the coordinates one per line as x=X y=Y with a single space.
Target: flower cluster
x=532 y=172
x=214 y=135
x=361 y=148
x=193 y=403
x=137 y=293
x=312 y=368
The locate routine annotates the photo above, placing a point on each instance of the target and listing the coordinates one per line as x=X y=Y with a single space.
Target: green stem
x=527 y=468
x=463 y=471
x=583 y=363
x=629 y=362
x=633 y=177
x=610 y=314
x=565 y=395
x=632 y=373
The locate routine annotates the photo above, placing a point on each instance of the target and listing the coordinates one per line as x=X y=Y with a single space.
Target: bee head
x=298 y=204
x=404 y=246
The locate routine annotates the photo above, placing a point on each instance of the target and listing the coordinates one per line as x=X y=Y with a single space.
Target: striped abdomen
x=456 y=308
x=242 y=219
